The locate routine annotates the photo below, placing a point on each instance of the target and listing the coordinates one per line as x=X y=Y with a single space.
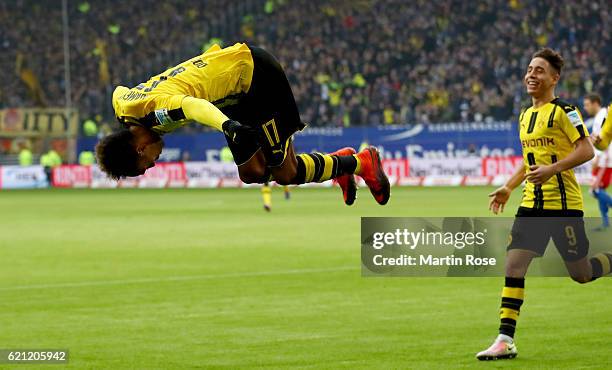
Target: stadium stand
x=353 y=63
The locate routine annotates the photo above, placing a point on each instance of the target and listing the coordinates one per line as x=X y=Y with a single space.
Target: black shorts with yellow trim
x=269 y=106
x=533 y=228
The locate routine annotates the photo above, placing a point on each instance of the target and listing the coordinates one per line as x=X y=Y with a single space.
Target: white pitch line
x=176 y=278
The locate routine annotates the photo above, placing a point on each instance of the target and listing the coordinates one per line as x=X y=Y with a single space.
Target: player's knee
x=515 y=269
x=286 y=177
x=283 y=179
x=253 y=176
x=581 y=278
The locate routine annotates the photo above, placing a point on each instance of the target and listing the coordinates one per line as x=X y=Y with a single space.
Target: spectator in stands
x=25 y=156
x=349 y=63
x=87 y=158
x=90 y=128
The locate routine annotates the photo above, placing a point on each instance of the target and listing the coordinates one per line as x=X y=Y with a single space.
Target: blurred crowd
x=349 y=62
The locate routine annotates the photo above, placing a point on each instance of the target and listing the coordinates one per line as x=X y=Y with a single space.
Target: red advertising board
x=71 y=175
x=494 y=166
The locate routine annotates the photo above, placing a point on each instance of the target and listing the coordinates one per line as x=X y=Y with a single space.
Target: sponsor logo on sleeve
x=574 y=118
x=163 y=117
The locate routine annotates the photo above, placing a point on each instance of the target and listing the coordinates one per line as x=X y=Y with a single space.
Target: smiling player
x=243 y=92
x=554 y=140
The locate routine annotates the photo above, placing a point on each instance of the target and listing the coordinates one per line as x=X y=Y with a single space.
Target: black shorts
x=533 y=228
x=270 y=107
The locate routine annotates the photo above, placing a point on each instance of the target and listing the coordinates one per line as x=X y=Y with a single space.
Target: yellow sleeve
x=204 y=112
x=605 y=133
x=572 y=124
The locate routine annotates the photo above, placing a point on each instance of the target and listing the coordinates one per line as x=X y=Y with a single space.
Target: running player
x=242 y=91
x=554 y=140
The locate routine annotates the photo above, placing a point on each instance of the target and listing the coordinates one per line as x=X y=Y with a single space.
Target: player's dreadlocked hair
x=116 y=155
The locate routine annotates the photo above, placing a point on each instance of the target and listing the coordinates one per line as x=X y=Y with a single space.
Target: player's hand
x=538 y=175
x=595 y=139
x=499 y=198
x=238 y=132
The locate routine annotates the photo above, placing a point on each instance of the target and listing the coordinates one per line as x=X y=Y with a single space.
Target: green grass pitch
x=206 y=279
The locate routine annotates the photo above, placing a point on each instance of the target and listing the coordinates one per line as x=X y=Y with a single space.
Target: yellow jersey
x=548 y=134
x=606 y=131
x=220 y=76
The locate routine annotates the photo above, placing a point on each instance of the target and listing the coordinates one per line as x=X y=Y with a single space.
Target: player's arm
x=204 y=112
x=602 y=139
x=500 y=196
x=583 y=152
x=572 y=125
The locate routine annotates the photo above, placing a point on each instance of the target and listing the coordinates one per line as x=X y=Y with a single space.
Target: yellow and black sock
x=512 y=299
x=601 y=264
x=266 y=195
x=317 y=167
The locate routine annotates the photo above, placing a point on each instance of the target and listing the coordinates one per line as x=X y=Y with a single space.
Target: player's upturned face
x=150 y=154
x=148 y=145
x=540 y=77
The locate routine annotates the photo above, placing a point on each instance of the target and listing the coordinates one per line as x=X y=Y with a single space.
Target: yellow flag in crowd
x=28 y=77
x=103 y=62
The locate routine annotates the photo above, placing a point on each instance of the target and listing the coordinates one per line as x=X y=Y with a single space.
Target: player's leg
x=603 y=202
x=503 y=347
x=312 y=167
x=607 y=196
x=254 y=170
x=573 y=245
x=250 y=161
x=319 y=167
x=266 y=195
x=585 y=269
x=517 y=263
x=603 y=199
x=599 y=265
x=273 y=106
x=529 y=238
x=344 y=166
x=347 y=183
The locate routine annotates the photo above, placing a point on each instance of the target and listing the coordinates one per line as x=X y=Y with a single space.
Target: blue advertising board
x=441 y=140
